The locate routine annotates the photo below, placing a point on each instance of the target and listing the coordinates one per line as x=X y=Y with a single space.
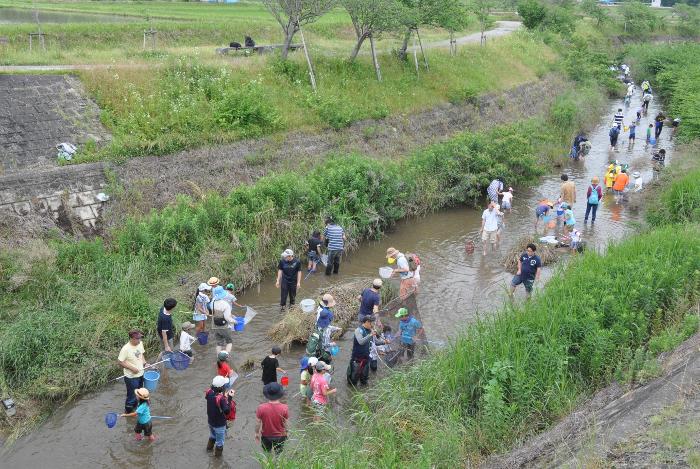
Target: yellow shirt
x=133 y=355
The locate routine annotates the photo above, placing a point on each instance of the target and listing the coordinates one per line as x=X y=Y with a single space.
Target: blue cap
x=219 y=293
x=303 y=363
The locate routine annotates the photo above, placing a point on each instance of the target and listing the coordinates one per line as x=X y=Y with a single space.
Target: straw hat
x=377 y=283
x=391 y=252
x=142 y=393
x=213 y=281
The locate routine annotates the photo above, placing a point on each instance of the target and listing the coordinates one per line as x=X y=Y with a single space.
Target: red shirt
x=273 y=417
x=224 y=370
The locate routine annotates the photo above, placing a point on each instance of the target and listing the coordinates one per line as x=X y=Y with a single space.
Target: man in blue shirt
x=334 y=236
x=409 y=328
x=370 y=299
x=528 y=270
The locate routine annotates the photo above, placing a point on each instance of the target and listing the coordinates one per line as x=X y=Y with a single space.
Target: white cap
x=313 y=361
x=219 y=382
x=288 y=253
x=204 y=287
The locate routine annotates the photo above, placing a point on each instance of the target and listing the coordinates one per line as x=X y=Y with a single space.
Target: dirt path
x=653 y=425
x=503 y=28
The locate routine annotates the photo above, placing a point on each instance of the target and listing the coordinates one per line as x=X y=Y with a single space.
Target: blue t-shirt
x=529 y=265
x=334 y=235
x=143 y=413
x=408 y=329
x=369 y=299
x=541 y=210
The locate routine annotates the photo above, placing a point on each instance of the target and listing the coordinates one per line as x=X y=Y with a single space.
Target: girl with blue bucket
x=143 y=416
x=201 y=308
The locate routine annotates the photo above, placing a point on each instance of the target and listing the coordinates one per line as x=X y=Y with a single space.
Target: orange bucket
x=284 y=381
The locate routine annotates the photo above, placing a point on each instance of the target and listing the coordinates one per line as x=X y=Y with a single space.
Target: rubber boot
x=218 y=450
x=210 y=444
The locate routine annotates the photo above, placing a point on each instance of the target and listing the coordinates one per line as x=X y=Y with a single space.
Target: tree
x=451 y=15
x=292 y=14
x=688 y=20
x=639 y=20
x=595 y=10
x=532 y=12
x=482 y=10
x=370 y=18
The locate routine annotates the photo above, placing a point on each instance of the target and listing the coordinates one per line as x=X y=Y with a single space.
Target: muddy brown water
x=455 y=288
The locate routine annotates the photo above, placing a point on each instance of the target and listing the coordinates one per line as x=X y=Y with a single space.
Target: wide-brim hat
x=391 y=252
x=328 y=300
x=273 y=391
x=213 y=281
x=219 y=293
x=142 y=393
x=204 y=287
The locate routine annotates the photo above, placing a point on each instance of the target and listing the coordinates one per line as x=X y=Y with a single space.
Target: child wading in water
x=223 y=368
x=270 y=366
x=143 y=416
x=186 y=340
x=507 y=202
x=314 y=251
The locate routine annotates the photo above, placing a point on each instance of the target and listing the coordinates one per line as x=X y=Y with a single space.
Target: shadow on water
x=455 y=288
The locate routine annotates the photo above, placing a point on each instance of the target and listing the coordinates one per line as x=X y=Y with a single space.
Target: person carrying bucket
x=132 y=360
x=143 y=416
x=201 y=307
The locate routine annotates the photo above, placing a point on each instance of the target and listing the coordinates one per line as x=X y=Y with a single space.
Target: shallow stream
x=455 y=288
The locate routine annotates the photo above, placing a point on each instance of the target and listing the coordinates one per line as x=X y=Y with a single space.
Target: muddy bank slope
x=623 y=427
x=222 y=167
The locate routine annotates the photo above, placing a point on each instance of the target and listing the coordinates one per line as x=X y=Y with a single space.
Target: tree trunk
x=404 y=44
x=374 y=58
x=288 y=36
x=356 y=49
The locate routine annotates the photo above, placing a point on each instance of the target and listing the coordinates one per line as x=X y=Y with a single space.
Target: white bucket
x=307 y=305
x=385 y=272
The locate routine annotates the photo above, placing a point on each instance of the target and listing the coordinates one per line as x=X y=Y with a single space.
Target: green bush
x=334 y=110
x=464 y=94
x=532 y=12
x=246 y=107
x=678 y=202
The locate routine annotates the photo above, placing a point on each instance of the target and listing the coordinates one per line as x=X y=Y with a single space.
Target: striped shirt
x=619 y=117
x=494 y=188
x=334 y=235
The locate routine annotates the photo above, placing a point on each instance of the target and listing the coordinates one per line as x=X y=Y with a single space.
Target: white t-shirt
x=222 y=308
x=490 y=218
x=133 y=355
x=186 y=341
x=507 y=197
x=402 y=263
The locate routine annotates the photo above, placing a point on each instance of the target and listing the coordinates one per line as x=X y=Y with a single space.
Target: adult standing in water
x=132 y=360
x=334 y=236
x=568 y=190
x=358 y=368
x=408 y=283
x=221 y=310
x=370 y=299
x=288 y=278
x=528 y=270
x=489 y=226
x=593 y=197
x=495 y=189
x=658 y=124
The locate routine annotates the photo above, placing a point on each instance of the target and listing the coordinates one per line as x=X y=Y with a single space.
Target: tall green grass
x=679 y=202
x=511 y=375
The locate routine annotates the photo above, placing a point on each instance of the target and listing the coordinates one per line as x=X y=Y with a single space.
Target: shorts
x=619 y=192
x=170 y=343
x=528 y=282
x=319 y=409
x=489 y=236
x=314 y=257
x=146 y=428
x=199 y=317
x=223 y=336
x=505 y=205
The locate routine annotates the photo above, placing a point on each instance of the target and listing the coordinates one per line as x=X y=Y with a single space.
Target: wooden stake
x=420 y=43
x=308 y=61
x=415 y=55
x=374 y=58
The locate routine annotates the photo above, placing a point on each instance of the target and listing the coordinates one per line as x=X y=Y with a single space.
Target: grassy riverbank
x=54 y=328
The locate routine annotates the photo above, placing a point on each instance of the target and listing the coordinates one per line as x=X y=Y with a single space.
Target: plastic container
x=307 y=305
x=284 y=381
x=385 y=272
x=203 y=337
x=334 y=350
x=150 y=380
x=238 y=324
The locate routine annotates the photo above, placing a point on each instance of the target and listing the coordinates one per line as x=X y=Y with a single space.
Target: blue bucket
x=239 y=324
x=167 y=356
x=150 y=380
x=334 y=350
x=203 y=337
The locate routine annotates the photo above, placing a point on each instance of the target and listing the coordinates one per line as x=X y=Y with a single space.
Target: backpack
x=232 y=411
x=314 y=344
x=593 y=198
x=614 y=132
x=413 y=262
x=647 y=98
